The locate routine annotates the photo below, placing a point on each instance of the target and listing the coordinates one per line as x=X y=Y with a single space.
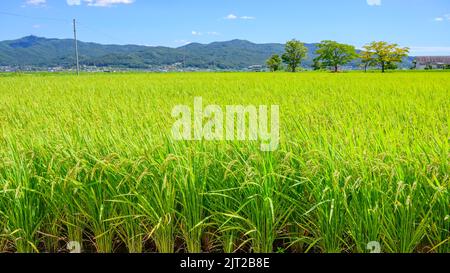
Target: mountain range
x=230 y=55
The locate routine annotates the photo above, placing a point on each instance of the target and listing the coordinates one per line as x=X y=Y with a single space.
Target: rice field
x=362 y=158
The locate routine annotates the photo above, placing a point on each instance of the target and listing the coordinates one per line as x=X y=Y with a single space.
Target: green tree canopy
x=274 y=63
x=295 y=52
x=333 y=54
x=366 y=59
x=317 y=64
x=385 y=54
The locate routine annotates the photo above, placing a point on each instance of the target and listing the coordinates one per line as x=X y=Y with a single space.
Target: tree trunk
x=336 y=68
x=383 y=67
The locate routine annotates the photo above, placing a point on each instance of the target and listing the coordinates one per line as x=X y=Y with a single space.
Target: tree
x=333 y=54
x=295 y=52
x=317 y=65
x=385 y=54
x=366 y=59
x=391 y=66
x=414 y=63
x=274 y=63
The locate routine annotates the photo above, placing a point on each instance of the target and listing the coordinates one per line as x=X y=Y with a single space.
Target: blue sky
x=423 y=25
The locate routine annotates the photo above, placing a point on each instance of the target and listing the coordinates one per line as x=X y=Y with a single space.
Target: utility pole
x=76 y=45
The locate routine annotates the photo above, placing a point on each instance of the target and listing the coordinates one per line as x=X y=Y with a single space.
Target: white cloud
x=99 y=3
x=374 y=2
x=231 y=17
x=182 y=42
x=445 y=17
x=36 y=3
x=211 y=33
x=36 y=26
x=73 y=2
x=235 y=17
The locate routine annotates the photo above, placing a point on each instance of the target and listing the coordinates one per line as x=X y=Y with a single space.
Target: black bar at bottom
x=226 y=263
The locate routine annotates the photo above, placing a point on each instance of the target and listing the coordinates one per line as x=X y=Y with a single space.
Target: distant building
x=431 y=62
x=256 y=68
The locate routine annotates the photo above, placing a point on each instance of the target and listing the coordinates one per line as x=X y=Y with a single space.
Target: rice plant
x=91 y=159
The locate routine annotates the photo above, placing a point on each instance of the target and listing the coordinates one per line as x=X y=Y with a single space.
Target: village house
x=432 y=62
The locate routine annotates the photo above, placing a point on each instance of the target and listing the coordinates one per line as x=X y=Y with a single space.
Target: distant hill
x=231 y=55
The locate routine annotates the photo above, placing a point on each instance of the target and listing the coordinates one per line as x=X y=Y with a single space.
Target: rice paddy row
x=362 y=158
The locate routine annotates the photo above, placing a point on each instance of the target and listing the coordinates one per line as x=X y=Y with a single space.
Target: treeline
x=333 y=55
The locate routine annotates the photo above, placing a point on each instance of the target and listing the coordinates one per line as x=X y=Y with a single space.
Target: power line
x=76 y=24
x=34 y=17
x=96 y=30
x=79 y=24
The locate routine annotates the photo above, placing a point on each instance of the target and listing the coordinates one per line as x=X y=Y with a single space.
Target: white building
x=432 y=62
